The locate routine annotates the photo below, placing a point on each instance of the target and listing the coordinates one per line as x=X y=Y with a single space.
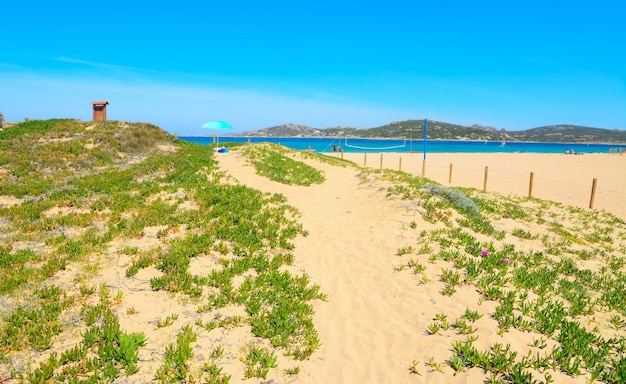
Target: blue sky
x=513 y=65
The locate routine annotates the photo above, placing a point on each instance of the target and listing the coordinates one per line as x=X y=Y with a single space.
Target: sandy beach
x=566 y=179
x=374 y=325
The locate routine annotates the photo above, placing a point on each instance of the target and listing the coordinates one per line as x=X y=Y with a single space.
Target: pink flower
x=506 y=216
x=484 y=252
x=505 y=261
x=471 y=247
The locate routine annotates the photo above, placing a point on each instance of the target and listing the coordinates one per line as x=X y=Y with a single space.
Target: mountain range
x=437 y=130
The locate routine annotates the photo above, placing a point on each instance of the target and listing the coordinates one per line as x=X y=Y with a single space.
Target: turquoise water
x=434 y=146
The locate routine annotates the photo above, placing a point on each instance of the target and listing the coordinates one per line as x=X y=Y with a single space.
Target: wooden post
x=248 y=140
x=365 y=159
x=342 y=154
x=530 y=185
x=214 y=139
x=593 y=192
x=309 y=148
x=400 y=165
x=423 y=167
x=485 y=183
x=381 y=161
x=450 y=176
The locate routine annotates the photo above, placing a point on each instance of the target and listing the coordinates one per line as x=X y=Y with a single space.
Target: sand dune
x=373 y=325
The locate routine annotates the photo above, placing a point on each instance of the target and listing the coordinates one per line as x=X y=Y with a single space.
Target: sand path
x=370 y=327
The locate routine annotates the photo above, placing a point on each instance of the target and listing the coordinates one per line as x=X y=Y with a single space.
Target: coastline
x=359 y=145
x=417 y=140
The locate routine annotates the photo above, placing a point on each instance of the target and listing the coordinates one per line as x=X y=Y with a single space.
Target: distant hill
x=295 y=130
x=438 y=130
x=570 y=134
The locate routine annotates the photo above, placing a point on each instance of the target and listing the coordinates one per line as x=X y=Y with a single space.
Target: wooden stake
x=400 y=165
x=485 y=183
x=381 y=161
x=423 y=167
x=365 y=159
x=450 y=176
x=530 y=185
x=593 y=192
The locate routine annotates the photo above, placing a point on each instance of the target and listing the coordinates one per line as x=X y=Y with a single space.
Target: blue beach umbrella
x=217 y=124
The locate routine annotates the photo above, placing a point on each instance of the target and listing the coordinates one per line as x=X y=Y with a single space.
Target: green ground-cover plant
x=270 y=160
x=439 y=202
x=14 y=268
x=32 y=127
x=24 y=266
x=567 y=292
x=215 y=374
x=523 y=234
x=169 y=320
x=258 y=362
x=279 y=310
x=111 y=181
x=105 y=352
x=556 y=313
x=175 y=367
x=35 y=326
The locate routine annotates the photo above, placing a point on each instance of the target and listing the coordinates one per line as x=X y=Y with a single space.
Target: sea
x=360 y=145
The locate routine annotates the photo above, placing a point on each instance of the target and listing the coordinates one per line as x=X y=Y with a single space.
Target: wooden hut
x=99 y=110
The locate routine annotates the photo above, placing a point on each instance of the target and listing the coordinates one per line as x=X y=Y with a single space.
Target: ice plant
x=505 y=261
x=484 y=252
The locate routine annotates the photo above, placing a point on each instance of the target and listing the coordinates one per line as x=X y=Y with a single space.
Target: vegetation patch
x=547 y=292
x=270 y=161
x=94 y=188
